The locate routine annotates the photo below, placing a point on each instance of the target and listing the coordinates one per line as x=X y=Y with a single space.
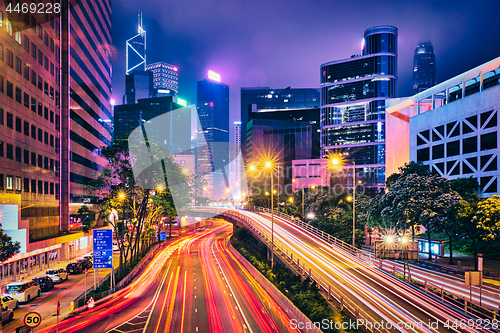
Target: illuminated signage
x=213 y=76
x=182 y=102
x=163 y=91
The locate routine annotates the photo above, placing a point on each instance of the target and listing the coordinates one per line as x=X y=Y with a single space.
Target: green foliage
x=408 y=169
x=466 y=187
x=488 y=218
x=7 y=247
x=304 y=295
x=88 y=217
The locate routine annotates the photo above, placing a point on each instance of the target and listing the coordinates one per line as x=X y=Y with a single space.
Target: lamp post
x=268 y=165
x=337 y=161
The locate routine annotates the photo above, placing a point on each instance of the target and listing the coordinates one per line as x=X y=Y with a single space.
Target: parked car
x=74 y=268
x=86 y=262
x=44 y=282
x=23 y=291
x=7 y=315
x=115 y=246
x=9 y=302
x=57 y=275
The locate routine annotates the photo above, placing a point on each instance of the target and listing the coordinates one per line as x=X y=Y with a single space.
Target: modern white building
x=451 y=127
x=165 y=78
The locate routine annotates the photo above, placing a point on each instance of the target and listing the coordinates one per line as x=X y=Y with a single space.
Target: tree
x=468 y=224
x=415 y=199
x=417 y=168
x=488 y=217
x=7 y=247
x=466 y=187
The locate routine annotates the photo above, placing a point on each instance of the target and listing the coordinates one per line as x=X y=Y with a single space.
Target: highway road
x=385 y=302
x=193 y=285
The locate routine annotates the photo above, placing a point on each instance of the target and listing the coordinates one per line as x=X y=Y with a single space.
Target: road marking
x=170 y=312
x=235 y=299
x=145 y=309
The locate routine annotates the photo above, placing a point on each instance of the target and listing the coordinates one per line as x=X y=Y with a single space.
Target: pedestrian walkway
x=491 y=267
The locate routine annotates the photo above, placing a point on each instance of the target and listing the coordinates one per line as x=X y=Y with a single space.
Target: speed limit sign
x=32 y=319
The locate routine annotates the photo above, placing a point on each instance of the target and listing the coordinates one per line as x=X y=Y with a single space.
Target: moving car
x=7 y=315
x=44 y=282
x=23 y=291
x=57 y=275
x=86 y=262
x=9 y=303
x=74 y=268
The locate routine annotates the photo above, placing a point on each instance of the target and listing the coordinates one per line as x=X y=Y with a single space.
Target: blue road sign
x=163 y=235
x=103 y=248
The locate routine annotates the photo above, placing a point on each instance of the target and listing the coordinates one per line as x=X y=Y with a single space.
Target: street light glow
x=310 y=216
x=389 y=239
x=159 y=188
x=121 y=195
x=268 y=164
x=252 y=167
x=290 y=199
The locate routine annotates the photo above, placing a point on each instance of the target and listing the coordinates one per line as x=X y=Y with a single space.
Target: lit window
x=9 y=182
x=17 y=35
x=8 y=26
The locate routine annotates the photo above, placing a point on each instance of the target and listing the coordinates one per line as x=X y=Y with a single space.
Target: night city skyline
x=283 y=43
x=250 y=166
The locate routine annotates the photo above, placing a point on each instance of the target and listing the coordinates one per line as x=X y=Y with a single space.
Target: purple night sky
x=282 y=43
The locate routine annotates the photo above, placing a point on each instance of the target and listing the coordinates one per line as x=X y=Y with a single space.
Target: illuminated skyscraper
x=213 y=112
x=136 y=50
x=353 y=94
x=165 y=78
x=424 y=67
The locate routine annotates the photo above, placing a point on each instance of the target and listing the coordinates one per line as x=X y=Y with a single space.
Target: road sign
x=163 y=235
x=32 y=319
x=90 y=303
x=103 y=248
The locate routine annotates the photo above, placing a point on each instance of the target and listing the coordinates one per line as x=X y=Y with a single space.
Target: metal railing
x=367 y=257
x=284 y=302
x=330 y=292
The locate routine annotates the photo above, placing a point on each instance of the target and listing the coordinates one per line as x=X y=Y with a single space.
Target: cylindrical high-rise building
x=353 y=94
x=424 y=67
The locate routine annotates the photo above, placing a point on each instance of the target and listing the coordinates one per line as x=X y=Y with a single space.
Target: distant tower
x=236 y=161
x=136 y=50
x=424 y=67
x=213 y=112
x=165 y=77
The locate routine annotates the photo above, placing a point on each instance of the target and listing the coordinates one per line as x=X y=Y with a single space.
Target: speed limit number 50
x=32 y=319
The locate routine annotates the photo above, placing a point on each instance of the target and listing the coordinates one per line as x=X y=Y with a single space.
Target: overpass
x=355 y=280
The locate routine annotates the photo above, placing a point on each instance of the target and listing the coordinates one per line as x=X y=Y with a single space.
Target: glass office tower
x=353 y=94
x=424 y=67
x=213 y=112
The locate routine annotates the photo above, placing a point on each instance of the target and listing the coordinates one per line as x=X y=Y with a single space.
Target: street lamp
x=337 y=161
x=268 y=165
x=310 y=216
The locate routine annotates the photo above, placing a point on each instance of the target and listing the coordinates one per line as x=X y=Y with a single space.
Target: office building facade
x=213 y=113
x=424 y=67
x=170 y=130
x=165 y=78
x=353 y=94
x=30 y=116
x=138 y=85
x=452 y=127
x=257 y=101
x=56 y=79
x=86 y=95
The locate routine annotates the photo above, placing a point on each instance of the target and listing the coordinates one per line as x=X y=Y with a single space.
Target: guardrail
x=283 y=301
x=330 y=292
x=384 y=265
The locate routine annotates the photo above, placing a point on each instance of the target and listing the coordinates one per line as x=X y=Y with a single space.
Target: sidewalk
x=63 y=293
x=491 y=267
